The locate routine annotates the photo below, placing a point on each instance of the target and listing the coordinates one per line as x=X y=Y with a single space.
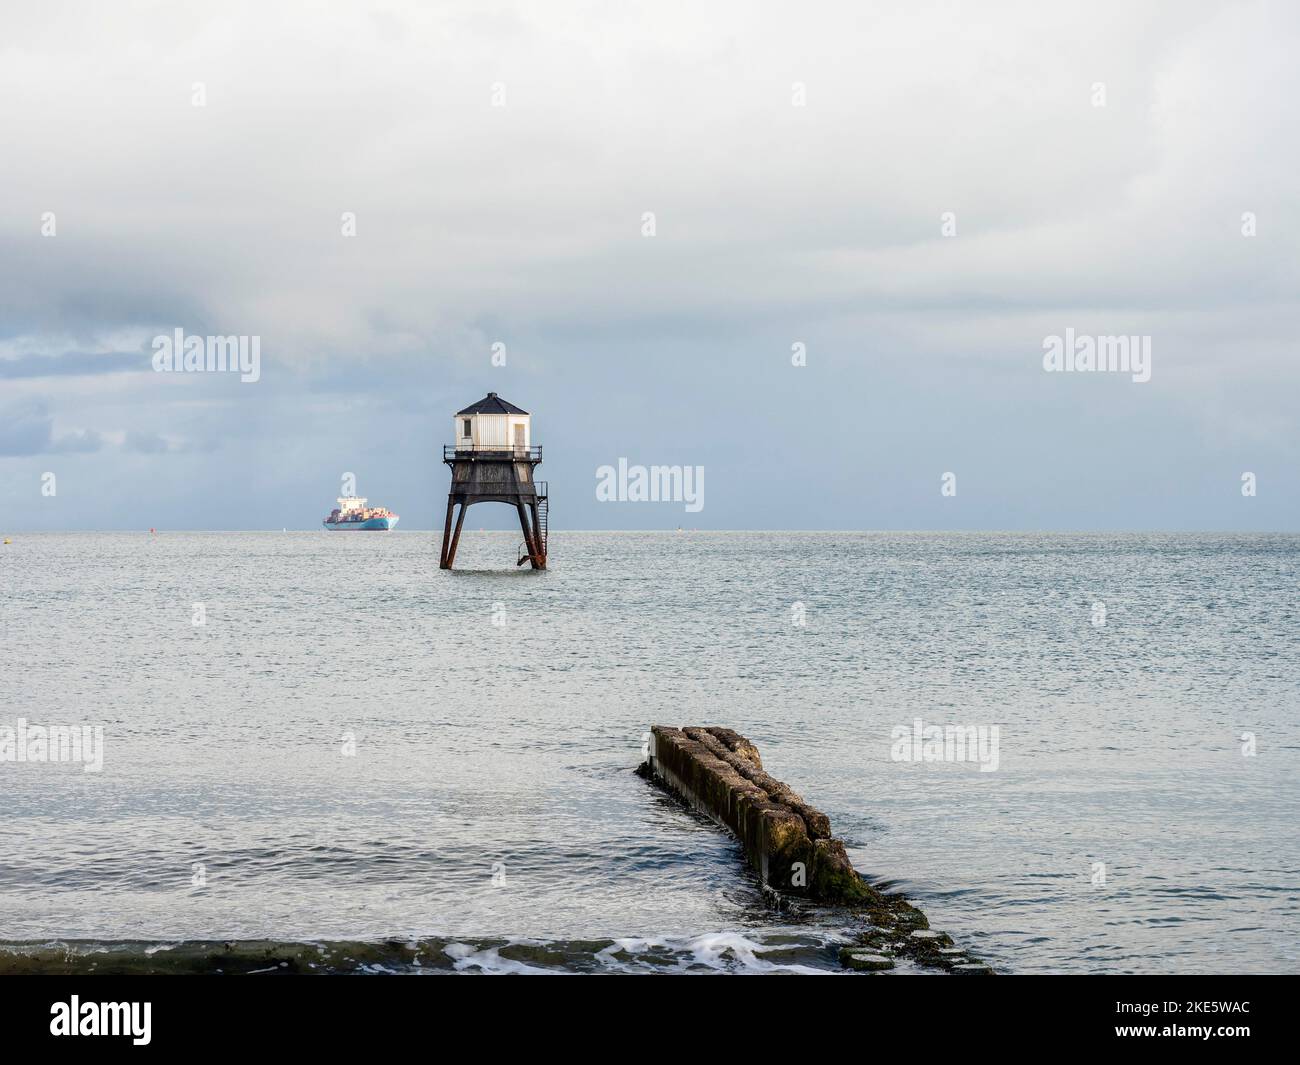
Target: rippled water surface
x=508 y=749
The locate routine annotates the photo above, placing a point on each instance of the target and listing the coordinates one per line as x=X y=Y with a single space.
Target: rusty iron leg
x=529 y=535
x=443 y=563
x=455 y=539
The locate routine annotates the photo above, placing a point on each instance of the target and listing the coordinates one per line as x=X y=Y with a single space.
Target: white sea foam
x=488 y=960
x=719 y=951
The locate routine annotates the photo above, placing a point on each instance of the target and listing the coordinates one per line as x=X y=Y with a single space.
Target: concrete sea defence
x=788 y=842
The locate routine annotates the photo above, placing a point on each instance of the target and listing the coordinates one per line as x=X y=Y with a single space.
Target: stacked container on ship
x=352 y=514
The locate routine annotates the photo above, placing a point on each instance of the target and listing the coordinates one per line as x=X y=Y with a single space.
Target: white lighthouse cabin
x=492 y=424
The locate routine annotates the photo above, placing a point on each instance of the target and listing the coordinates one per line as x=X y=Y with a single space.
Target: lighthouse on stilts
x=493 y=461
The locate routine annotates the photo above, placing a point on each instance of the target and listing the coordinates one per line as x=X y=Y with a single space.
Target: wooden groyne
x=788 y=843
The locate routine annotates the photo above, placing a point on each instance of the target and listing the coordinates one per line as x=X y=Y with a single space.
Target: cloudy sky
x=1095 y=159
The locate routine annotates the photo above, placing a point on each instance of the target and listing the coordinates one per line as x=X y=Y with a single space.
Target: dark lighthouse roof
x=491 y=404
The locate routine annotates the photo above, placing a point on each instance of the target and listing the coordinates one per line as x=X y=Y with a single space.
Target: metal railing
x=451 y=452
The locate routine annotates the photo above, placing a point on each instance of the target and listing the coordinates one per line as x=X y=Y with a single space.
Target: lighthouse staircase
x=543 y=506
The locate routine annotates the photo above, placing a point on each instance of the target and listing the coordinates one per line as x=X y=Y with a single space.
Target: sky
x=916 y=196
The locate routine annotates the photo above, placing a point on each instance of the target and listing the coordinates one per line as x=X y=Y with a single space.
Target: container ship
x=352 y=514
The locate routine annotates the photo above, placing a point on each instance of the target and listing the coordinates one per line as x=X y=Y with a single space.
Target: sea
x=319 y=752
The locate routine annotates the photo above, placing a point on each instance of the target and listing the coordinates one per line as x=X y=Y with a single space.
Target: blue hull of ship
x=382 y=524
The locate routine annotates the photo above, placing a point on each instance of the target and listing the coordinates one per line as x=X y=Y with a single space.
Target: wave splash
x=800 y=951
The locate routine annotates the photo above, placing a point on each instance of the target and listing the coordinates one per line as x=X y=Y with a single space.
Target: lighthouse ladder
x=540 y=530
x=543 y=501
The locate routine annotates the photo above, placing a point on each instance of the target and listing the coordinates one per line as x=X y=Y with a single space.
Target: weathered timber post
x=788 y=843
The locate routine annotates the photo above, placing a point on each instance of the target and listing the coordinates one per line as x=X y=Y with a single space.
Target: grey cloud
x=27 y=428
x=775 y=224
x=73 y=364
x=145 y=443
x=80 y=442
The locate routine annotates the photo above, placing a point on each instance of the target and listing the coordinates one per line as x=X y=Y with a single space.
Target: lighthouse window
x=465 y=431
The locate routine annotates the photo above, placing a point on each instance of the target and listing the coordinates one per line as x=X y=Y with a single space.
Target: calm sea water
x=490 y=818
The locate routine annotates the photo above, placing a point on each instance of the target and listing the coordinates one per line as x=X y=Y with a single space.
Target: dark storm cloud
x=776 y=224
x=27 y=428
x=73 y=364
x=25 y=431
